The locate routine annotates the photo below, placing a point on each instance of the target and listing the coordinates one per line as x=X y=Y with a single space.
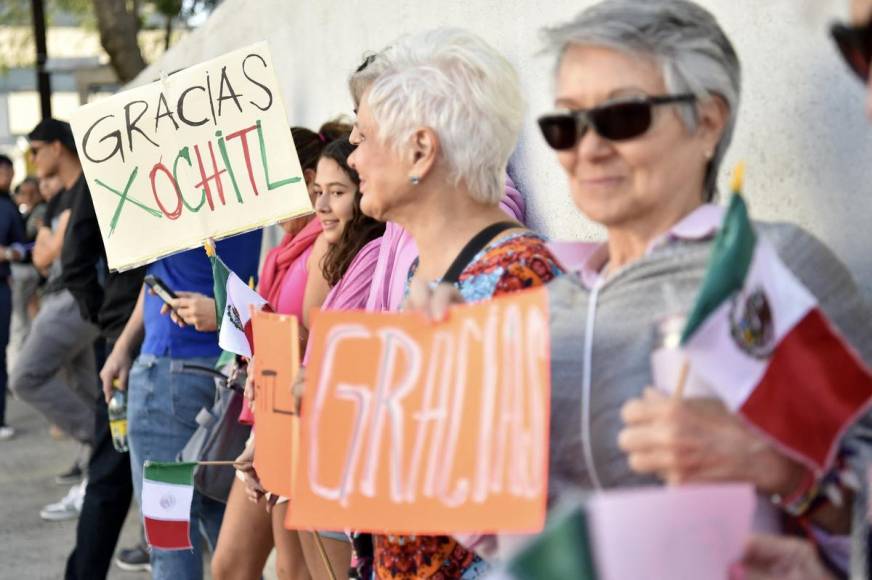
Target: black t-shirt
x=104 y=298
x=57 y=205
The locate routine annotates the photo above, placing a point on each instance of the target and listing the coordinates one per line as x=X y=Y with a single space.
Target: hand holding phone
x=160 y=288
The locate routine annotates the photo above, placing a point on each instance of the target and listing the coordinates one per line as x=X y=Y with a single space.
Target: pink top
x=293 y=287
x=290 y=301
x=353 y=289
x=280 y=258
x=701 y=223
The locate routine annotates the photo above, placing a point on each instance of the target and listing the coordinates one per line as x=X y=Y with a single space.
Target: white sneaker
x=6 y=433
x=69 y=507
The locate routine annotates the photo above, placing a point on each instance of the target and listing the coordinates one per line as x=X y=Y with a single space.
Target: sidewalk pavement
x=30 y=547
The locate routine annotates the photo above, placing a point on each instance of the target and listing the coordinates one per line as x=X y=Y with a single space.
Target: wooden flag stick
x=323 y=551
x=682 y=380
x=216 y=462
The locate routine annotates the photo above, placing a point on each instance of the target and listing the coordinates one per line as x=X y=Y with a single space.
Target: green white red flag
x=233 y=299
x=167 y=491
x=758 y=337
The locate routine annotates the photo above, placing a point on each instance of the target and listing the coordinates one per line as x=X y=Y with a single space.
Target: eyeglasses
x=616 y=121
x=855 y=44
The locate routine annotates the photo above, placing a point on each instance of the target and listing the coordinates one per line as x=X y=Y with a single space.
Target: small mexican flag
x=757 y=336
x=167 y=491
x=232 y=300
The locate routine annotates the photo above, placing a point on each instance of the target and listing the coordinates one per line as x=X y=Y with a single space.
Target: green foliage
x=16 y=46
x=15 y=12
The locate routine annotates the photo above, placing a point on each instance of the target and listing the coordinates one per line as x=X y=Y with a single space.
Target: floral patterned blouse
x=508 y=264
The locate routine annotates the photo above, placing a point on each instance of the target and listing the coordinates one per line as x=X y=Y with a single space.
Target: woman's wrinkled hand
x=700 y=440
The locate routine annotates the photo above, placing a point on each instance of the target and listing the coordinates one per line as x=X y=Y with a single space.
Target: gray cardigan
x=626 y=308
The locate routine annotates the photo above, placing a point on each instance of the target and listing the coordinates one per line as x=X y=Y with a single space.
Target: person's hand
x=253 y=489
x=115 y=370
x=245 y=461
x=192 y=309
x=249 y=393
x=298 y=387
x=769 y=557
x=245 y=464
x=432 y=302
x=700 y=440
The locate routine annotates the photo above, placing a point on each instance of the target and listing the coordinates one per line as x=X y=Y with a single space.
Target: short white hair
x=453 y=82
x=694 y=53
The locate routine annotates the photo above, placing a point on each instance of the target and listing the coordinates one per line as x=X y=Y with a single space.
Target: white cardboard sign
x=205 y=152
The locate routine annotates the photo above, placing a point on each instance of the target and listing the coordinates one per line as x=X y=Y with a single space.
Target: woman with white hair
x=434 y=130
x=646 y=96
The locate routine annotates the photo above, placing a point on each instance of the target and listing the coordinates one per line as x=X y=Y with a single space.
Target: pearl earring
x=415 y=180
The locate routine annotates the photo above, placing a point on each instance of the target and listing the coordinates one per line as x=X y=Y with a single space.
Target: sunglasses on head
x=615 y=121
x=855 y=44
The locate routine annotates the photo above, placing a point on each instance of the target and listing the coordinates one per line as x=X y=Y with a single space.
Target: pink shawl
x=281 y=257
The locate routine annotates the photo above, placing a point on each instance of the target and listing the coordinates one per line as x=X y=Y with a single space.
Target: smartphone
x=160 y=288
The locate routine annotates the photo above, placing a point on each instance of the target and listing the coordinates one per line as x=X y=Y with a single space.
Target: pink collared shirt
x=700 y=224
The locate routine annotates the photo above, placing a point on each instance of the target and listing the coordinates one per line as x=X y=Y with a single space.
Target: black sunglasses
x=616 y=121
x=855 y=44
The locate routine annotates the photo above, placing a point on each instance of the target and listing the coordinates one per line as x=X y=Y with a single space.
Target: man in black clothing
x=59 y=338
x=106 y=299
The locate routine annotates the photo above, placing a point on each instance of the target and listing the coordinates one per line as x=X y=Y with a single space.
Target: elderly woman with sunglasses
x=647 y=95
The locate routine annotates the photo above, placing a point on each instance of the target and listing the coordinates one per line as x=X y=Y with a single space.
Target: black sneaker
x=136 y=559
x=71 y=476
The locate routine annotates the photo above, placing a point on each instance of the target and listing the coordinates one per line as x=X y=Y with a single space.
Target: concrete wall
x=801 y=130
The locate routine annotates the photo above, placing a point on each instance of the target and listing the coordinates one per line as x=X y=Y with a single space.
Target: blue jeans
x=161 y=407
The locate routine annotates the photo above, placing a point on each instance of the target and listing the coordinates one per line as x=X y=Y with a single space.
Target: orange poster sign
x=276 y=362
x=411 y=427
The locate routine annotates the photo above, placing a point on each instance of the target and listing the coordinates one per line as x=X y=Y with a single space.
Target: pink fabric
x=246 y=417
x=513 y=202
x=352 y=291
x=283 y=281
x=396 y=254
x=293 y=287
x=699 y=224
x=398 y=251
x=572 y=255
x=281 y=257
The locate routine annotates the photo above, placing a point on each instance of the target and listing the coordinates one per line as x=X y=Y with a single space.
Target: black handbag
x=219 y=435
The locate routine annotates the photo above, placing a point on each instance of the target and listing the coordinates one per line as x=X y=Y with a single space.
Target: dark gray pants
x=55 y=371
